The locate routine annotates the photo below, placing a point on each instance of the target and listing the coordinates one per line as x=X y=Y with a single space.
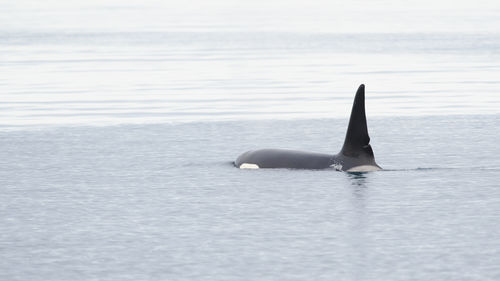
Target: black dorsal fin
x=357 y=141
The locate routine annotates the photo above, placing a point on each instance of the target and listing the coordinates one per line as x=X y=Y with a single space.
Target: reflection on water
x=358 y=185
x=264 y=76
x=358 y=222
x=358 y=179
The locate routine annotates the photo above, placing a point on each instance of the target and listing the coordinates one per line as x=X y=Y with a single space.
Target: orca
x=356 y=154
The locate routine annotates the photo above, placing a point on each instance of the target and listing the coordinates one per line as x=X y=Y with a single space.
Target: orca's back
x=284 y=158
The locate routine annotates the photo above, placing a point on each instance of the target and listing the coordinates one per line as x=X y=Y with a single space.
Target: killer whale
x=356 y=154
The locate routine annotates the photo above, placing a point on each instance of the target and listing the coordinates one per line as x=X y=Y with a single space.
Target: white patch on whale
x=364 y=168
x=249 y=166
x=336 y=166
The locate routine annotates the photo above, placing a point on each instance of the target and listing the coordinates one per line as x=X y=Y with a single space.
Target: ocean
x=119 y=124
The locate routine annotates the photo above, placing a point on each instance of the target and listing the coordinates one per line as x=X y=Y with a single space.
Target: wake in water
x=443 y=169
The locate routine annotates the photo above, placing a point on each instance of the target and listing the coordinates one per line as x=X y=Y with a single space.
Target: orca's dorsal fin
x=357 y=141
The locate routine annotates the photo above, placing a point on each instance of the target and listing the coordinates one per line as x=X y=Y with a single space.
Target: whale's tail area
x=357 y=141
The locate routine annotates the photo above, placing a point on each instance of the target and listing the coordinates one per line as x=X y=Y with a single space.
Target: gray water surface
x=164 y=202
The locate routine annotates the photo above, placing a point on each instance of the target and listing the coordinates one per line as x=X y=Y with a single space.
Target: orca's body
x=356 y=154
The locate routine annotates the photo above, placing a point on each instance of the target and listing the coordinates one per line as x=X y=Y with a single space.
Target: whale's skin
x=295 y=159
x=284 y=158
x=356 y=154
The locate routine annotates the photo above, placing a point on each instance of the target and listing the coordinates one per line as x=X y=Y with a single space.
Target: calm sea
x=119 y=123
